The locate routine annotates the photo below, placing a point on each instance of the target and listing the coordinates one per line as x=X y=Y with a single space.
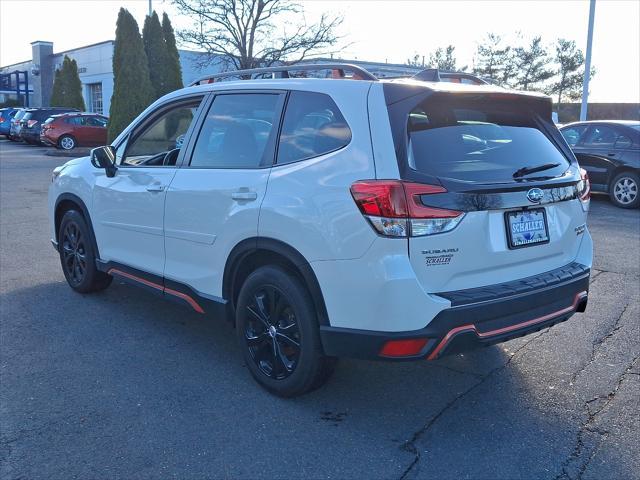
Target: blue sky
x=379 y=30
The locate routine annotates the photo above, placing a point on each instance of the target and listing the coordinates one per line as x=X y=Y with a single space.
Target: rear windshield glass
x=479 y=142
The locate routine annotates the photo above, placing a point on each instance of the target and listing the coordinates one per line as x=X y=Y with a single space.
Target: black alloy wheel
x=278 y=332
x=74 y=253
x=271 y=332
x=77 y=255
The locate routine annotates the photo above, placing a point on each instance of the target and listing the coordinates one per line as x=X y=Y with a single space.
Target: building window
x=95 y=97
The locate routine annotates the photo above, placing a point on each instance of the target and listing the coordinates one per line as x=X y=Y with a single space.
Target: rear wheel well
x=618 y=171
x=241 y=265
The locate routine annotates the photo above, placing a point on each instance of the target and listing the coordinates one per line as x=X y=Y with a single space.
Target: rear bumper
x=30 y=135
x=477 y=317
x=47 y=141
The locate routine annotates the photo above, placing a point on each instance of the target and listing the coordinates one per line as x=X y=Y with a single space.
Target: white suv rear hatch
x=497 y=192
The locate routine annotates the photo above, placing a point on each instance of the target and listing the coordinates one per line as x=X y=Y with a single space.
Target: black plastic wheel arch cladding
x=280 y=250
x=79 y=205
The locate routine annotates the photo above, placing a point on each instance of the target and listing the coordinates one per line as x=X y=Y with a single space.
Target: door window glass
x=572 y=134
x=237 y=132
x=313 y=125
x=96 y=121
x=601 y=137
x=623 y=142
x=159 y=142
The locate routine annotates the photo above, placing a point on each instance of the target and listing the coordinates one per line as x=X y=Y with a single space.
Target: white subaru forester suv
x=378 y=219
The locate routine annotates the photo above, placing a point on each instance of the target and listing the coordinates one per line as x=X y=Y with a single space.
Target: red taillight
x=31 y=123
x=394 y=208
x=380 y=198
x=403 y=348
x=584 y=186
x=1 y=119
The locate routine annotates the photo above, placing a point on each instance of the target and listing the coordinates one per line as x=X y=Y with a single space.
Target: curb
x=75 y=153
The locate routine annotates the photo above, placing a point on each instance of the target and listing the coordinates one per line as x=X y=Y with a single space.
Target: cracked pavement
x=122 y=385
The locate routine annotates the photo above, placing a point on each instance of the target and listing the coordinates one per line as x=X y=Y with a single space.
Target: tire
x=268 y=344
x=77 y=255
x=67 y=142
x=624 y=190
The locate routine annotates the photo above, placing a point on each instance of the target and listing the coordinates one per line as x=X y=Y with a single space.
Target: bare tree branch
x=242 y=34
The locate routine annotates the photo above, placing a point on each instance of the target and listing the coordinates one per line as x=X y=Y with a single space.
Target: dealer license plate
x=527 y=227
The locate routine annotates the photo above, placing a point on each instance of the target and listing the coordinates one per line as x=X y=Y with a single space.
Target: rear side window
x=96 y=121
x=601 y=136
x=76 y=121
x=238 y=132
x=479 y=141
x=313 y=125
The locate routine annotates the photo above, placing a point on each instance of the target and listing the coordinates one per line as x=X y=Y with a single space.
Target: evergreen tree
x=531 y=66
x=157 y=54
x=174 y=76
x=444 y=59
x=132 y=90
x=493 y=60
x=67 y=88
x=57 y=95
x=570 y=71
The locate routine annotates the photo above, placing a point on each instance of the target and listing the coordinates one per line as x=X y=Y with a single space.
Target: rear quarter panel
x=308 y=204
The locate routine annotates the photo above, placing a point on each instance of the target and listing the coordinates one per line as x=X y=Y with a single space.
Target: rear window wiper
x=521 y=172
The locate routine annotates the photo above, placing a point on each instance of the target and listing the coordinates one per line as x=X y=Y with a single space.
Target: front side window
x=572 y=134
x=313 y=125
x=158 y=143
x=238 y=132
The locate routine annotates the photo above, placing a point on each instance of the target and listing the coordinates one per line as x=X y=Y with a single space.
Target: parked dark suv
x=609 y=150
x=33 y=119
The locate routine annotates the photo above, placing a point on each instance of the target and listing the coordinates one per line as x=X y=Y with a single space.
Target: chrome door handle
x=244 y=195
x=155 y=188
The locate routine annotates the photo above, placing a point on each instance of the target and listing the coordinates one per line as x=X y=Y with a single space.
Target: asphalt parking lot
x=122 y=385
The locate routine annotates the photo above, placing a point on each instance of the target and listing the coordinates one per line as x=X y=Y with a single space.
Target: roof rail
x=338 y=71
x=435 y=75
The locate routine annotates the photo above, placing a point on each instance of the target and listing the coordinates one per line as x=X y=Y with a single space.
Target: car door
x=214 y=199
x=128 y=209
x=596 y=153
x=93 y=131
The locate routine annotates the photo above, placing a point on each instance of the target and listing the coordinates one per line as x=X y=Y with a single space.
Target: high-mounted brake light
x=395 y=209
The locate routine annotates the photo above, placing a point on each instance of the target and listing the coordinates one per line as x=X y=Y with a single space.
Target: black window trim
x=141 y=126
x=271 y=145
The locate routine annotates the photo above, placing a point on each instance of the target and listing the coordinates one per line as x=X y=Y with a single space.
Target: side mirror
x=105 y=157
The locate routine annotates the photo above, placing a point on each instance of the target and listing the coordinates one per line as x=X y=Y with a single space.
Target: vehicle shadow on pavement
x=97 y=376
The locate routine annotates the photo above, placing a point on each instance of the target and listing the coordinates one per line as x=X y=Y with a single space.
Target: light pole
x=587 y=63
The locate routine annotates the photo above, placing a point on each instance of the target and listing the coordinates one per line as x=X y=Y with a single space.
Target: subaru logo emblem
x=535 y=195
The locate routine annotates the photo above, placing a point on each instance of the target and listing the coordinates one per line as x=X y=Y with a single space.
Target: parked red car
x=70 y=130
